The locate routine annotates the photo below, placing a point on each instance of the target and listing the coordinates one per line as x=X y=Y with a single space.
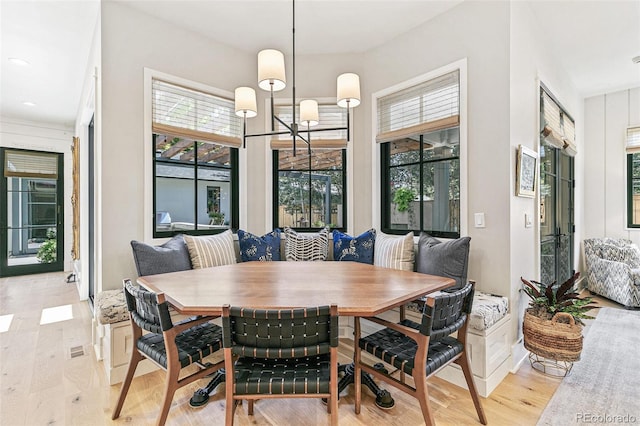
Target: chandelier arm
x=348 y=124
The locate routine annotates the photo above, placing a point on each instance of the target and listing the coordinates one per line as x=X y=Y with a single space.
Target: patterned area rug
x=602 y=388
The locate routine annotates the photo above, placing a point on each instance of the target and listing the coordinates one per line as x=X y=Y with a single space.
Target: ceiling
x=593 y=41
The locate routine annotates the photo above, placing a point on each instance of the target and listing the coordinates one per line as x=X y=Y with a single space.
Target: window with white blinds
x=633 y=140
x=30 y=165
x=329 y=116
x=426 y=107
x=559 y=129
x=195 y=115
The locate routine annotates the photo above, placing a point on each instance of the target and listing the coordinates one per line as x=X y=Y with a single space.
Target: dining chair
x=280 y=353
x=170 y=346
x=421 y=349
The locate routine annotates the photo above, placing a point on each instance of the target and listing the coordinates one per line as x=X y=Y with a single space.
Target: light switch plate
x=478 y=220
x=528 y=223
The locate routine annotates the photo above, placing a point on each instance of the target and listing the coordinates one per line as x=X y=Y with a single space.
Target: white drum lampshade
x=271 y=70
x=348 y=90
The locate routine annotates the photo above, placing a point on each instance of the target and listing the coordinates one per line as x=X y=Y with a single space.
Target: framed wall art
x=526 y=172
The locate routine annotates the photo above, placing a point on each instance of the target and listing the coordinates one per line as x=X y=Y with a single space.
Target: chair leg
x=124 y=389
x=422 y=394
x=250 y=406
x=463 y=361
x=357 y=369
x=171 y=384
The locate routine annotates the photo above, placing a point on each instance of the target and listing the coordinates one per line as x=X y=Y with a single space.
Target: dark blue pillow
x=356 y=249
x=264 y=249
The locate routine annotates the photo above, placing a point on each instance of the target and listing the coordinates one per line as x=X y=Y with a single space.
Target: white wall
x=45 y=137
x=479 y=32
x=606 y=120
x=530 y=64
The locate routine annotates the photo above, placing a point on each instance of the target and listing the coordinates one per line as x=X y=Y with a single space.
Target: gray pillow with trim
x=444 y=258
x=171 y=256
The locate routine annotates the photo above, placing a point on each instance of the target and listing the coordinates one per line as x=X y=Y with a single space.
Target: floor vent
x=76 y=351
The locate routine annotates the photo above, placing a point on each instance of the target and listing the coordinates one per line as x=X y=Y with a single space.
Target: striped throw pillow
x=395 y=252
x=302 y=247
x=211 y=250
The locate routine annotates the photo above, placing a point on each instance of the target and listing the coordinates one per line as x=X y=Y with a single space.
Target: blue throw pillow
x=264 y=249
x=356 y=249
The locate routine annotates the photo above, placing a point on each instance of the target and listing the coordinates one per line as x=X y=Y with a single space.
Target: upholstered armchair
x=613 y=269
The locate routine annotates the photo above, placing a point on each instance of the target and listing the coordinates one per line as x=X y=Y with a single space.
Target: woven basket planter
x=552 y=339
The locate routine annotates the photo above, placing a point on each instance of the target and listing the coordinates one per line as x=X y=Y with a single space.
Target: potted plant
x=47 y=253
x=553 y=324
x=217 y=218
x=402 y=198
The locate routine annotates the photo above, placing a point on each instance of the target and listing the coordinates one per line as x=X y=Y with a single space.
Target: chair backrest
x=280 y=333
x=447 y=312
x=147 y=309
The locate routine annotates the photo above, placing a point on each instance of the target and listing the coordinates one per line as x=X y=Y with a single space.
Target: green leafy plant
x=403 y=197
x=47 y=253
x=217 y=218
x=547 y=301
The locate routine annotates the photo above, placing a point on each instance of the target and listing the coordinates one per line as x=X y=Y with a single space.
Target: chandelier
x=271 y=77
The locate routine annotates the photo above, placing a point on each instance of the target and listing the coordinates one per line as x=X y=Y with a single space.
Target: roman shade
x=26 y=164
x=194 y=115
x=426 y=107
x=330 y=116
x=633 y=140
x=559 y=129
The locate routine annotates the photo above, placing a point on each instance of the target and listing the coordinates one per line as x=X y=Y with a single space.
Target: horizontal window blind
x=426 y=107
x=329 y=116
x=633 y=140
x=195 y=115
x=30 y=165
x=559 y=130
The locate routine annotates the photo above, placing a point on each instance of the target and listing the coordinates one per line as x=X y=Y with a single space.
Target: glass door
x=556 y=214
x=31 y=219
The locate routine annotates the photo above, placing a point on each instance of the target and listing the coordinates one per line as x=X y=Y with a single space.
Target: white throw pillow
x=304 y=247
x=211 y=250
x=394 y=251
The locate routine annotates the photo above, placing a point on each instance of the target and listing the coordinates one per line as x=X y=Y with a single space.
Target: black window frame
x=276 y=191
x=385 y=192
x=233 y=167
x=630 y=186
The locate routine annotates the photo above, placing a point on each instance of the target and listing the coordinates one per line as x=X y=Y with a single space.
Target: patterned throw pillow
x=302 y=247
x=171 y=256
x=395 y=252
x=211 y=250
x=265 y=248
x=444 y=258
x=357 y=249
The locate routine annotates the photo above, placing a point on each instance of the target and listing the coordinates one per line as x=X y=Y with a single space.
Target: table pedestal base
x=383 y=397
x=200 y=397
x=384 y=400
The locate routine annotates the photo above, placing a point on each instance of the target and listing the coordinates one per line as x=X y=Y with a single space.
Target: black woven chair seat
x=193 y=344
x=399 y=350
x=305 y=375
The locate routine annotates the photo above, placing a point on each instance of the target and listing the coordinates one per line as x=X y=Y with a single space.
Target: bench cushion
x=111 y=307
x=487 y=310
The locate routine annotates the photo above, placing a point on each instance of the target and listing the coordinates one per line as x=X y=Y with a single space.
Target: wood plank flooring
x=42 y=384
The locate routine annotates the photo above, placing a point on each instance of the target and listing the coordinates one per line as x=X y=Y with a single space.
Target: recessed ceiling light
x=636 y=60
x=27 y=103
x=20 y=62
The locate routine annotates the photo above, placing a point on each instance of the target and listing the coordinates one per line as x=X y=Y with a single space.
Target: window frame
x=379 y=198
x=272 y=168
x=237 y=160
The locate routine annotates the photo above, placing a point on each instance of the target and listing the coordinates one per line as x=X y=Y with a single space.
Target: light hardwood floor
x=42 y=384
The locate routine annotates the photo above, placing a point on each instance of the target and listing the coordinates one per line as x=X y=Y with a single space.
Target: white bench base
x=113 y=344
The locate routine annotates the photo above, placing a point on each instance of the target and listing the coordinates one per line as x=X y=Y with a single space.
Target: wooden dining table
x=359 y=290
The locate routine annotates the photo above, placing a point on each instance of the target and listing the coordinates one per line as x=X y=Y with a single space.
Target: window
x=196 y=136
x=419 y=136
x=310 y=186
x=633 y=177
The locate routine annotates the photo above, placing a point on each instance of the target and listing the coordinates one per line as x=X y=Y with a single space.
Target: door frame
x=36 y=268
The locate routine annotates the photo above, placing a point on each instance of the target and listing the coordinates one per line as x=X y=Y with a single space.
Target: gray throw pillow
x=444 y=258
x=171 y=256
